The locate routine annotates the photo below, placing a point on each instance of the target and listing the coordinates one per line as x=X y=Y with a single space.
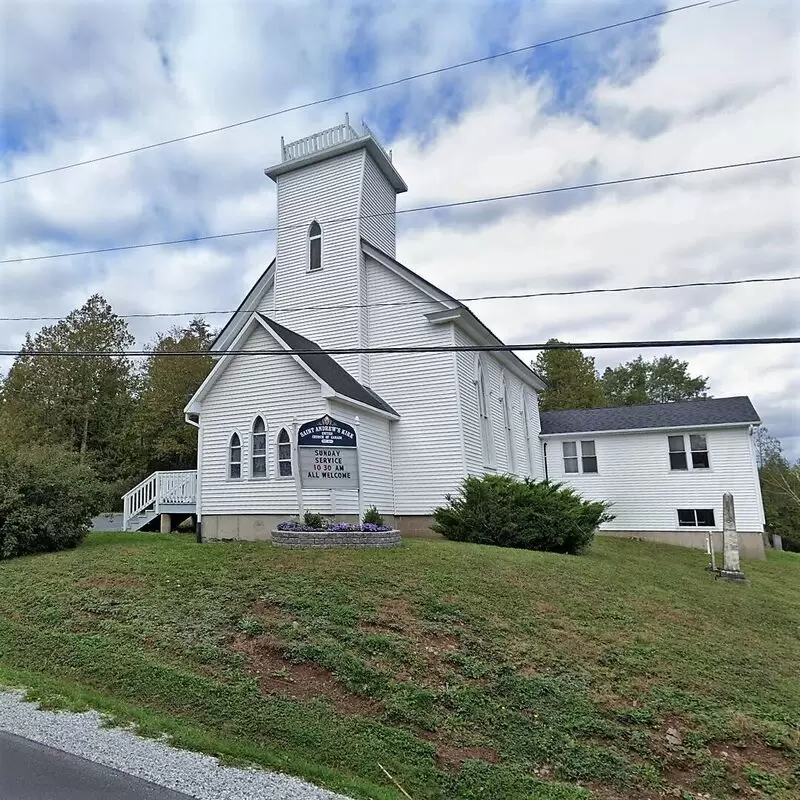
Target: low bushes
x=47 y=501
x=500 y=510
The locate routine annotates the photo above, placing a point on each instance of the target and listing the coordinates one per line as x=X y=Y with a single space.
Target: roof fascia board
x=250 y=303
x=367 y=142
x=193 y=406
x=342 y=398
x=659 y=429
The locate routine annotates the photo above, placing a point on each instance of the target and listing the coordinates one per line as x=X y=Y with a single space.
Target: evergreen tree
x=571 y=379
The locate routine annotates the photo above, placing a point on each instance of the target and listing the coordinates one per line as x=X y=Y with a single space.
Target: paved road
x=32 y=771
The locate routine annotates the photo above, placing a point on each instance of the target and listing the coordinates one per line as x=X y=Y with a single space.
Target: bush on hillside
x=47 y=501
x=500 y=510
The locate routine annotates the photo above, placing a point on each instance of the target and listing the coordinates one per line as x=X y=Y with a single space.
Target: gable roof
x=231 y=329
x=454 y=310
x=327 y=369
x=685 y=414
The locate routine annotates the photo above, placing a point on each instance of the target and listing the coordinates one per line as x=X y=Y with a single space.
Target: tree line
x=120 y=417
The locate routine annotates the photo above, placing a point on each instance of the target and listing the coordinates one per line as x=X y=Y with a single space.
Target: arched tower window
x=314 y=246
x=259 y=450
x=284 y=454
x=235 y=457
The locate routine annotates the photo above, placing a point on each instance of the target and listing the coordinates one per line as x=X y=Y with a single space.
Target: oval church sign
x=328 y=454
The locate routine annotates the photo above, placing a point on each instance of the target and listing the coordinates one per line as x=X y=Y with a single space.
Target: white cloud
x=722 y=86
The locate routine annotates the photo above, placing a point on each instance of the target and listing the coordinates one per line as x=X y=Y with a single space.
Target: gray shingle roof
x=688 y=413
x=329 y=370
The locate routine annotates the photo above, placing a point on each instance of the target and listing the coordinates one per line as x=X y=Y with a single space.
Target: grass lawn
x=466 y=671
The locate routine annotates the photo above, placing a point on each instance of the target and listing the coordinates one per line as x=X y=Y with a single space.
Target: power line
x=434 y=207
x=354 y=92
x=489 y=348
x=399 y=303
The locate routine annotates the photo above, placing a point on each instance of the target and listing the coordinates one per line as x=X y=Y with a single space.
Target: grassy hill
x=466 y=671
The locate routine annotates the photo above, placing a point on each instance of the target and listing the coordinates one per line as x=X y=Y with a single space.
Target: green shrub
x=500 y=510
x=372 y=516
x=313 y=520
x=47 y=501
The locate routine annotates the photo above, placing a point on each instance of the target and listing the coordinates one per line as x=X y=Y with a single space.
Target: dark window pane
x=236 y=454
x=676 y=444
x=258 y=425
x=700 y=460
x=285 y=469
x=571 y=464
x=315 y=254
x=697 y=441
x=677 y=461
x=259 y=467
x=284 y=452
x=283 y=436
x=314 y=229
x=587 y=448
x=570 y=449
x=686 y=517
x=259 y=444
x=235 y=441
x=705 y=517
x=236 y=470
x=590 y=463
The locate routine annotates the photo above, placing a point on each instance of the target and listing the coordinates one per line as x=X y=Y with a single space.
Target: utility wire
x=488 y=348
x=354 y=92
x=427 y=301
x=436 y=206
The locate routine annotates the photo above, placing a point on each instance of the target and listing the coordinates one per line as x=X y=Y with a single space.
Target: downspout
x=544 y=455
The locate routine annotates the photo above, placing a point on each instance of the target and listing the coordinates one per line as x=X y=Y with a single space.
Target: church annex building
x=424 y=421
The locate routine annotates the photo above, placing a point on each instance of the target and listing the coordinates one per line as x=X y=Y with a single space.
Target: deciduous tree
x=571 y=379
x=660 y=380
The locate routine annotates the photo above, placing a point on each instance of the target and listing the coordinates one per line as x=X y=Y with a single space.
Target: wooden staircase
x=173 y=493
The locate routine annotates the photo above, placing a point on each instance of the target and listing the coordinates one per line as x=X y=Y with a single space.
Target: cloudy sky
x=700 y=87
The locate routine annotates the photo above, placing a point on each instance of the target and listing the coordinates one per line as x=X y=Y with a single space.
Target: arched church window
x=314 y=246
x=484 y=411
x=259 y=449
x=235 y=457
x=508 y=425
x=284 y=454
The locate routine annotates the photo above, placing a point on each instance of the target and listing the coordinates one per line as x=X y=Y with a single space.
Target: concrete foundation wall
x=751 y=543
x=256 y=527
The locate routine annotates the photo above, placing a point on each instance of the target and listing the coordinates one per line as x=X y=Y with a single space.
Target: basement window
x=696 y=517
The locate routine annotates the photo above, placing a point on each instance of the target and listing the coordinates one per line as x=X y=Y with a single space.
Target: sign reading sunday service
x=328 y=454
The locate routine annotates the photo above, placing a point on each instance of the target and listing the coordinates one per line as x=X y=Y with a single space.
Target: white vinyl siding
x=267 y=304
x=323 y=191
x=635 y=475
x=426 y=441
x=379 y=199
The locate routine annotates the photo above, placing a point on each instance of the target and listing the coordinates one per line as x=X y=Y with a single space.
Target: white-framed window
x=314 y=246
x=695 y=444
x=509 y=429
x=284 y=454
x=258 y=449
x=696 y=517
x=235 y=456
x=484 y=410
x=585 y=463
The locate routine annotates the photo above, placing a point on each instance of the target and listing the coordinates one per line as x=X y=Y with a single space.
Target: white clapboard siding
x=374 y=459
x=634 y=475
x=324 y=191
x=534 y=445
x=267 y=304
x=470 y=421
x=279 y=389
x=379 y=201
x=426 y=441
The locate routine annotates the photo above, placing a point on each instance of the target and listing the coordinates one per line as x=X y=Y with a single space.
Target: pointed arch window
x=314 y=246
x=235 y=457
x=509 y=430
x=284 y=454
x=258 y=468
x=484 y=412
x=527 y=426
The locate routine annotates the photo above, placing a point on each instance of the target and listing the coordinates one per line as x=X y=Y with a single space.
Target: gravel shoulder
x=194 y=774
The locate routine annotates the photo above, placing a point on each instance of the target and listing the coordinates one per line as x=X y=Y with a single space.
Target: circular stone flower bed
x=341 y=534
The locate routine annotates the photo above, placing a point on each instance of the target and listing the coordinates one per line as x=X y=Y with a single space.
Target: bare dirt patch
x=451 y=757
x=111 y=582
x=277 y=675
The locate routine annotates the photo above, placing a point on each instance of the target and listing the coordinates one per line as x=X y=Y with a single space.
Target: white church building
x=424 y=421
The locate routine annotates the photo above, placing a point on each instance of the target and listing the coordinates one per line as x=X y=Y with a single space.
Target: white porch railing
x=175 y=488
x=338 y=134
